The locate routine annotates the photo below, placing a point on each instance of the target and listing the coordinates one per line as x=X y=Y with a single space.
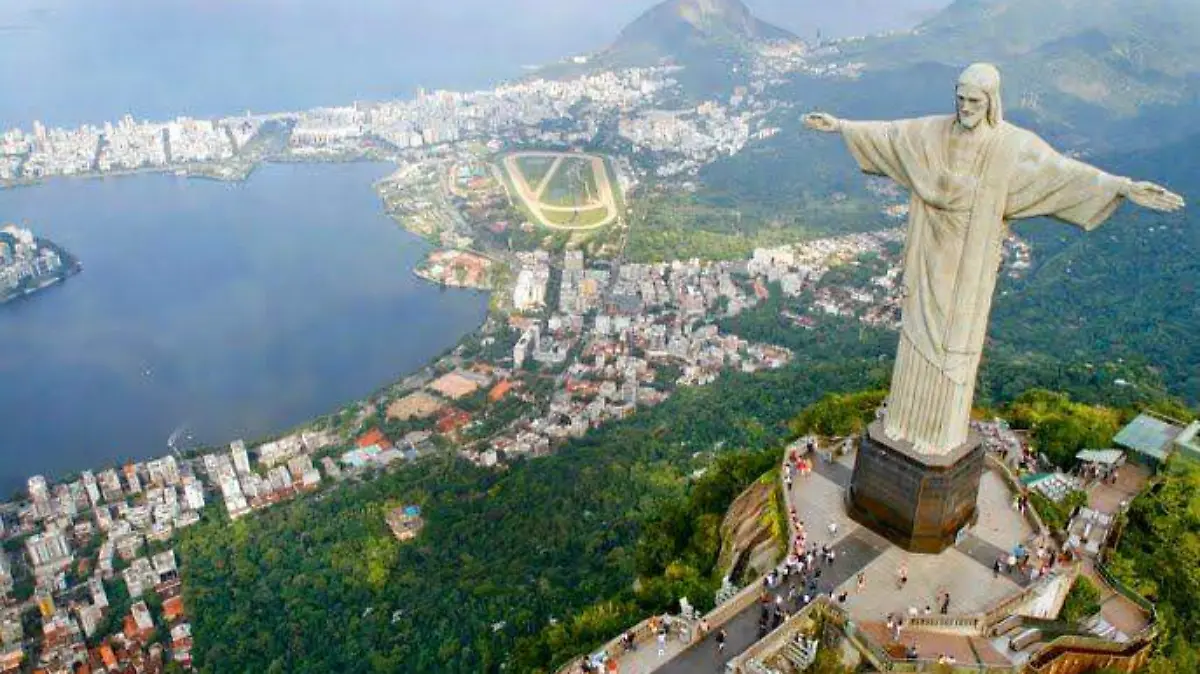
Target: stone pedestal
x=918 y=501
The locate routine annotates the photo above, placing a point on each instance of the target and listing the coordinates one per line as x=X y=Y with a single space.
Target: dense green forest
x=526 y=566
x=502 y=553
x=1157 y=554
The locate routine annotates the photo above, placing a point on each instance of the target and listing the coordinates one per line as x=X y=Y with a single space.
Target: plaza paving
x=965 y=571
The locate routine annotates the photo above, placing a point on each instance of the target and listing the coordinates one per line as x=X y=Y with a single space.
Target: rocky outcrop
x=750 y=547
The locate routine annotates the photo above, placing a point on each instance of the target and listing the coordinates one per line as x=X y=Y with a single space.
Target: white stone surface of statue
x=969 y=174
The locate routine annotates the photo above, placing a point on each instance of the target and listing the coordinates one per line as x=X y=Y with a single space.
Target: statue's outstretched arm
x=1152 y=196
x=820 y=121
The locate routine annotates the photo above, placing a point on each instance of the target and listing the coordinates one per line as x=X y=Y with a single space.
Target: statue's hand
x=819 y=121
x=1149 y=195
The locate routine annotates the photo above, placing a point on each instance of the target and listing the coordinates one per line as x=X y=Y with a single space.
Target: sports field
x=563 y=190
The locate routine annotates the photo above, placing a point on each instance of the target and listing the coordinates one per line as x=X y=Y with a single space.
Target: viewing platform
x=994 y=620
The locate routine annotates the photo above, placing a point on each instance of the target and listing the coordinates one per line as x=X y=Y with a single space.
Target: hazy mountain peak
x=678 y=28
x=708 y=16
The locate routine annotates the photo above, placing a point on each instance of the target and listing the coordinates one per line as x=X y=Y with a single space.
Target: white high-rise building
x=90 y=486
x=39 y=491
x=6 y=579
x=48 y=549
x=241 y=460
x=110 y=486
x=164 y=471
x=193 y=495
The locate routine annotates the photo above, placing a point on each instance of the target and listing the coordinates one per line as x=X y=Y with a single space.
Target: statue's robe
x=956 y=225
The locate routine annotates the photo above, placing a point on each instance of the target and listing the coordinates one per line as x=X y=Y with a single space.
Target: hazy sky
x=593 y=24
x=69 y=61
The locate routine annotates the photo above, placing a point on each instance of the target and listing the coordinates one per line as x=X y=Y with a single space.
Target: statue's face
x=971 y=104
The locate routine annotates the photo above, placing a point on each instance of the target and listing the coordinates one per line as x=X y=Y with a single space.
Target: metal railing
x=972 y=625
x=1124 y=590
x=642 y=634
x=1044 y=655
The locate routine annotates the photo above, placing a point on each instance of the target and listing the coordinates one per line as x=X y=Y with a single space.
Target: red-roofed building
x=373 y=437
x=107 y=656
x=451 y=420
x=499 y=390
x=172 y=608
x=10 y=661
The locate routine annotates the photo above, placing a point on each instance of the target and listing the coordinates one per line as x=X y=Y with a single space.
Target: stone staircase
x=800 y=653
x=1105 y=630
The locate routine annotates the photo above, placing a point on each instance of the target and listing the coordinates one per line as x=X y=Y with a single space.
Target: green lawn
x=581 y=218
x=572 y=184
x=534 y=169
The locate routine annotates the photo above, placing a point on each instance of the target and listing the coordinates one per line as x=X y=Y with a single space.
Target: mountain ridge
x=699 y=34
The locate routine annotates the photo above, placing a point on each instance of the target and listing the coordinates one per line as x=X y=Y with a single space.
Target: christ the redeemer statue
x=916 y=476
x=969 y=175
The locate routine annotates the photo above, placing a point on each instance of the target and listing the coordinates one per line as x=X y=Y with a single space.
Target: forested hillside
x=1125 y=291
x=502 y=553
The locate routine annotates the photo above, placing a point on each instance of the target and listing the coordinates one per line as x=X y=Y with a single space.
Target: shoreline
x=418 y=269
x=70 y=267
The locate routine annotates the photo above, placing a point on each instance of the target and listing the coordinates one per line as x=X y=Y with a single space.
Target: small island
x=29 y=264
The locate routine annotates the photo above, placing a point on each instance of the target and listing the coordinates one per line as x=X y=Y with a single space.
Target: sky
x=72 y=61
x=595 y=23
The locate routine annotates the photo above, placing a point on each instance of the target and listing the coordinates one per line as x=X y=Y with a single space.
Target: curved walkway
x=855 y=551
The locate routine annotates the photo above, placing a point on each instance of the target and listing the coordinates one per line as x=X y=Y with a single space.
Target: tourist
x=862 y=582
x=928 y=610
x=902 y=576
x=841 y=597
x=721 y=636
x=662 y=643
x=945 y=603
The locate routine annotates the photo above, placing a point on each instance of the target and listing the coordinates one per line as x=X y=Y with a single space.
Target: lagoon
x=225 y=309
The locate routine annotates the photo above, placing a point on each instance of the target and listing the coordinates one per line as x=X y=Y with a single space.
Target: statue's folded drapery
x=956 y=226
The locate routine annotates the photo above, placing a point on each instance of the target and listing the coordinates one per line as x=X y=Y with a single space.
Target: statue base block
x=918 y=501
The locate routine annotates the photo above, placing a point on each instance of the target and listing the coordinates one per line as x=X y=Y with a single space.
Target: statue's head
x=977 y=96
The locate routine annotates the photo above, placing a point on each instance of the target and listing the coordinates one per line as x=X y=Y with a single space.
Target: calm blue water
x=234 y=309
